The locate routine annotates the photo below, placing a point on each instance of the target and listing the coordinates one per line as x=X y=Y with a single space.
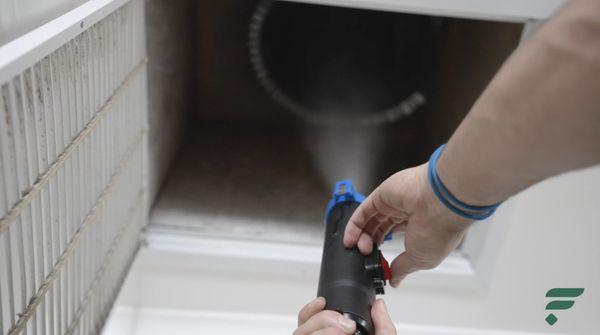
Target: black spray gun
x=349 y=280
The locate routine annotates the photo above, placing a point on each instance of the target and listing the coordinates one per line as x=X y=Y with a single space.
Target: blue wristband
x=449 y=200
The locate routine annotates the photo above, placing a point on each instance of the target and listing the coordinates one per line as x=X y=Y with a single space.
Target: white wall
x=505 y=10
x=20 y=16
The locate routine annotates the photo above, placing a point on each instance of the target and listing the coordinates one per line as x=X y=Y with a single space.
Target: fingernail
x=395 y=282
x=347 y=324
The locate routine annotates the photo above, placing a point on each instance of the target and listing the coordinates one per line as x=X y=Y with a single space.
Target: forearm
x=540 y=115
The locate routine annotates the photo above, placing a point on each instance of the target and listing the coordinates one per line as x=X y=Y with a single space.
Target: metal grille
x=72 y=189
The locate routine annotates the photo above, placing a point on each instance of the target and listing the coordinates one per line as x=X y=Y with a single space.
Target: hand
x=313 y=320
x=406 y=202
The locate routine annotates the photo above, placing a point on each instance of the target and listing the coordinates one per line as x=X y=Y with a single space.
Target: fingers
x=427 y=245
x=326 y=319
x=364 y=224
x=406 y=264
x=329 y=331
x=400 y=227
x=402 y=266
x=371 y=221
x=365 y=244
x=381 y=319
x=311 y=309
x=358 y=221
x=391 y=226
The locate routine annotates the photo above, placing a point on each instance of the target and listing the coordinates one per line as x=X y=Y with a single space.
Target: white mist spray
x=346 y=152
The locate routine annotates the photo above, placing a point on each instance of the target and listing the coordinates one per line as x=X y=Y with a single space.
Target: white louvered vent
x=72 y=165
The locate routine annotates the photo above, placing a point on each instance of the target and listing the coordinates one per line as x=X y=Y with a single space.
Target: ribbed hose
x=317 y=84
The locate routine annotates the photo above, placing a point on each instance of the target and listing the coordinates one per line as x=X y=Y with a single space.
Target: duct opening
x=247 y=168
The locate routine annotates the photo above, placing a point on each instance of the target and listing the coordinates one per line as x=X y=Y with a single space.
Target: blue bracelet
x=449 y=200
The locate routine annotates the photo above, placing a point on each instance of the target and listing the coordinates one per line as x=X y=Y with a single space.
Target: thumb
x=402 y=266
x=381 y=319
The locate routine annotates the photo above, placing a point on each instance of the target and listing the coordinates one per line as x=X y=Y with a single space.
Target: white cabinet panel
x=512 y=11
x=546 y=237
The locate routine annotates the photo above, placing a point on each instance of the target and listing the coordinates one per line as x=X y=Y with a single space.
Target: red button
x=387 y=273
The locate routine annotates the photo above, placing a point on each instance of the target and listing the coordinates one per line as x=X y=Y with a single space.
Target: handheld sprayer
x=349 y=280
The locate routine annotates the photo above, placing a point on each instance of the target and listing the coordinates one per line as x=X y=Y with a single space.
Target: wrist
x=465 y=182
x=448 y=199
x=435 y=210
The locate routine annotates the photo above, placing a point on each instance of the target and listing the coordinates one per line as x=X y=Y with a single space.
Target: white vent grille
x=72 y=162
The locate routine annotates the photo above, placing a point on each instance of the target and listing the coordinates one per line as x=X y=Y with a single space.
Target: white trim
x=509 y=11
x=167 y=240
x=23 y=52
x=148 y=321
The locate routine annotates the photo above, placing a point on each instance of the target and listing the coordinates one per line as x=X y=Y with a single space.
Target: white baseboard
x=153 y=321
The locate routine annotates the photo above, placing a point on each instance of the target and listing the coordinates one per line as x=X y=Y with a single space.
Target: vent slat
x=72 y=196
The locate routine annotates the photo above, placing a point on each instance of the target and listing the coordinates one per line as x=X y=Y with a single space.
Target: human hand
x=313 y=320
x=406 y=202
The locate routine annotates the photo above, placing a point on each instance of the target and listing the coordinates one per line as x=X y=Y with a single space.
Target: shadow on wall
x=169 y=32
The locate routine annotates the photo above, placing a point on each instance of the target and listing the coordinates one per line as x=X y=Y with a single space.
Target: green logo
x=561 y=304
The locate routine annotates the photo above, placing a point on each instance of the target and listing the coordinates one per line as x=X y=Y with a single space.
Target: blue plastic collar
x=343 y=192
